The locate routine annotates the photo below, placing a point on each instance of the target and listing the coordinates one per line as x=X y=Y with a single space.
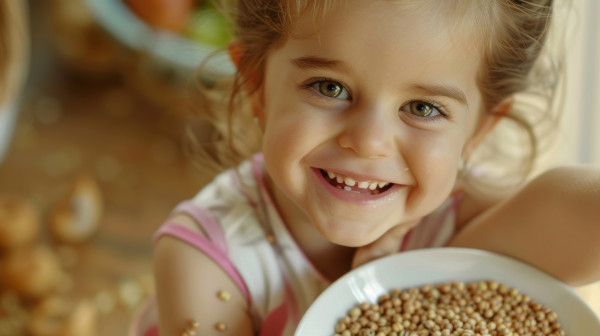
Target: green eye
x=330 y=89
x=421 y=109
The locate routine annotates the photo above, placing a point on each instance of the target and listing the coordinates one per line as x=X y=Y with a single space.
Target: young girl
x=13 y=61
x=372 y=113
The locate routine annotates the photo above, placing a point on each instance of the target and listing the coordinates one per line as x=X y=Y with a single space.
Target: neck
x=331 y=260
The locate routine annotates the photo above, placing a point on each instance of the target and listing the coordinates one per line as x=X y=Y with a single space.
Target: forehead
x=463 y=14
x=446 y=25
x=399 y=40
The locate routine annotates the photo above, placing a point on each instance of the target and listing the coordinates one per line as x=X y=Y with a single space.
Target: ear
x=487 y=124
x=250 y=79
x=235 y=51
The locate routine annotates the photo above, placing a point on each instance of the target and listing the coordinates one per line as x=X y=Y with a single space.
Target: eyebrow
x=317 y=62
x=451 y=92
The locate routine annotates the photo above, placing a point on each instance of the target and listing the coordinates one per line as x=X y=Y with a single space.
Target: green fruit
x=208 y=26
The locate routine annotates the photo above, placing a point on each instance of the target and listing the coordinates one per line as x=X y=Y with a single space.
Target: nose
x=369 y=133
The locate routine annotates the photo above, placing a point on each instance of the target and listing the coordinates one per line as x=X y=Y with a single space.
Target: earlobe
x=257 y=107
x=487 y=124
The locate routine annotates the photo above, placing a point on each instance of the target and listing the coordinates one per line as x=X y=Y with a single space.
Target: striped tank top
x=247 y=238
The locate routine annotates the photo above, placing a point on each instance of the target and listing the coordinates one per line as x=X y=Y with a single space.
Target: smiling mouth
x=359 y=187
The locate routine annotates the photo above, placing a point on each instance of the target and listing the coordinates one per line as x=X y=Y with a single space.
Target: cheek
x=293 y=128
x=286 y=134
x=288 y=137
x=434 y=160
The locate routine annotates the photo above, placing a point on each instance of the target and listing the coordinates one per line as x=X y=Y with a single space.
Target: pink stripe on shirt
x=205 y=220
x=275 y=322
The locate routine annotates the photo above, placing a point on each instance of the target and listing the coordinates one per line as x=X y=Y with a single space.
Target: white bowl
x=436 y=265
x=8 y=117
x=182 y=54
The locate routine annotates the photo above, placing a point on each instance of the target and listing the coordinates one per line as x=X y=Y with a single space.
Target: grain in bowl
x=482 y=308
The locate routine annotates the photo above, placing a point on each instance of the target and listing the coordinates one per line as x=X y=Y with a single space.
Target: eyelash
x=439 y=107
x=443 y=114
x=311 y=82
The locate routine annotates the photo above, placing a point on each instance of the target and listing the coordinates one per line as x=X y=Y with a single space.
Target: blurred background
x=93 y=160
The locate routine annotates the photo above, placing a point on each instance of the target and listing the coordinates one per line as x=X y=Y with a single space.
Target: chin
x=352 y=239
x=348 y=232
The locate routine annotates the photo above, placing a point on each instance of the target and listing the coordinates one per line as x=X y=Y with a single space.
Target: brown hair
x=518 y=62
x=13 y=48
x=516 y=31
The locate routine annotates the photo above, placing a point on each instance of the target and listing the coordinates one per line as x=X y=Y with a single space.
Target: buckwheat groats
x=484 y=308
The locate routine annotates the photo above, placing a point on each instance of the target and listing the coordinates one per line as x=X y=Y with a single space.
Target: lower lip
x=351 y=197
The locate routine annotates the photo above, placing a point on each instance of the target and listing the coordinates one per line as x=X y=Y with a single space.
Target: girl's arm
x=187 y=288
x=553 y=223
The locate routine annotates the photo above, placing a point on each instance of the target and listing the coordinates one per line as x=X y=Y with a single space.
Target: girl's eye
x=422 y=109
x=331 y=89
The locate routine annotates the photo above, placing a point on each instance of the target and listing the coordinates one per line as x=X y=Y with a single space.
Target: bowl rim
x=473 y=257
x=174 y=49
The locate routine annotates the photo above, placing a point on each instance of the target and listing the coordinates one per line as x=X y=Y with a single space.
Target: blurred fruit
x=32 y=272
x=77 y=216
x=83 y=46
x=165 y=14
x=19 y=222
x=209 y=26
x=59 y=316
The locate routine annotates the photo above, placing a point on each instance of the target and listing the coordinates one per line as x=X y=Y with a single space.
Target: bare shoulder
x=571 y=193
x=192 y=286
x=571 y=180
x=564 y=185
x=557 y=208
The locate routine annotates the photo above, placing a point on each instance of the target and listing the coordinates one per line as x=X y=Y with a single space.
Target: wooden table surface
x=66 y=129
x=71 y=125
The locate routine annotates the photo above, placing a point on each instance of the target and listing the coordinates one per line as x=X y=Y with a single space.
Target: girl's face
x=366 y=115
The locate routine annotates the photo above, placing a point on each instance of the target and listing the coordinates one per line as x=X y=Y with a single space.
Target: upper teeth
x=371 y=185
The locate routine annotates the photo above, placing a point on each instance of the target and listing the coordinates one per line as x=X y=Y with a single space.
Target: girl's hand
x=389 y=243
